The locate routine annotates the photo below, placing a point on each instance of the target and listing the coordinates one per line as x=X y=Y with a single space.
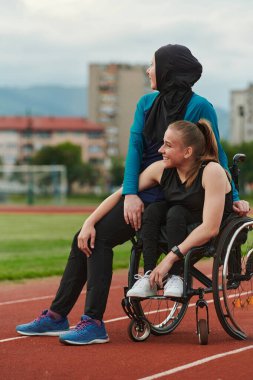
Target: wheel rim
x=236 y=283
x=163 y=314
x=139 y=331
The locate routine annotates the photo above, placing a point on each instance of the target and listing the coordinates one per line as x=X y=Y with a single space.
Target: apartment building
x=21 y=137
x=242 y=115
x=114 y=90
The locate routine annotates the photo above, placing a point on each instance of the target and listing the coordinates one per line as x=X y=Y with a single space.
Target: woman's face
x=152 y=75
x=173 y=150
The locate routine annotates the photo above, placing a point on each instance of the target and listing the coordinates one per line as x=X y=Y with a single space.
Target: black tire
x=203 y=332
x=138 y=332
x=233 y=278
x=163 y=314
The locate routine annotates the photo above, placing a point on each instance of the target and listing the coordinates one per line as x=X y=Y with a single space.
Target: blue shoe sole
x=71 y=342
x=46 y=333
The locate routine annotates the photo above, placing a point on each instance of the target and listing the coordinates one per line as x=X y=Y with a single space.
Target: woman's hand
x=157 y=275
x=241 y=207
x=133 y=209
x=86 y=238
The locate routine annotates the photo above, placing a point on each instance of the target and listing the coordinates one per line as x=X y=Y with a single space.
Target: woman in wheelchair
x=197 y=190
x=198 y=193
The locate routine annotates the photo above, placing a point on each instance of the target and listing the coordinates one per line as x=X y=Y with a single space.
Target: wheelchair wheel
x=203 y=332
x=233 y=278
x=163 y=314
x=138 y=331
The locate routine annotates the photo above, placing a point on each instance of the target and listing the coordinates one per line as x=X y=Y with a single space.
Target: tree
x=1 y=164
x=246 y=172
x=117 y=171
x=69 y=155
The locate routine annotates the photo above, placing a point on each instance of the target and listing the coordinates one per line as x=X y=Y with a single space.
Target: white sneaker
x=142 y=288
x=173 y=287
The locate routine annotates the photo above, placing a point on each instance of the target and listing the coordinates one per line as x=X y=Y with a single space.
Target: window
x=43 y=135
x=94 y=135
x=95 y=149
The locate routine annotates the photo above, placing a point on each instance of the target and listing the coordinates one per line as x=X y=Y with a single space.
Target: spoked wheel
x=163 y=314
x=203 y=331
x=233 y=280
x=138 y=331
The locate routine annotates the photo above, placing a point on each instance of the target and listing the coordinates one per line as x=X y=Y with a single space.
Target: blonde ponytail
x=201 y=138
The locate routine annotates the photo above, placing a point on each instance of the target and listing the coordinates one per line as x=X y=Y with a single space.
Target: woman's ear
x=188 y=152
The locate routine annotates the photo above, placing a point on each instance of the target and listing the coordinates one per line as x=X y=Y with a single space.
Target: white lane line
x=25 y=300
x=26 y=336
x=107 y=321
x=43 y=297
x=111 y=320
x=196 y=363
x=10 y=339
x=22 y=300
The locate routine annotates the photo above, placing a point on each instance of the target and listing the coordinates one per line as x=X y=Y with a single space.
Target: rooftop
x=44 y=123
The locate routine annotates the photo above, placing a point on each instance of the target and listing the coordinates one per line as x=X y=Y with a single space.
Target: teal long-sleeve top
x=137 y=157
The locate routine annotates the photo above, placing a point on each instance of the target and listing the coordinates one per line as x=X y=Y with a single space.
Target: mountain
x=43 y=101
x=64 y=101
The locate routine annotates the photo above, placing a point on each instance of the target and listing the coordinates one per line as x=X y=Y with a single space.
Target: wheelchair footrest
x=130 y=310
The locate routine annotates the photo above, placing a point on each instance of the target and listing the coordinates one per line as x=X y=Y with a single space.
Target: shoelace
x=84 y=323
x=40 y=317
x=140 y=277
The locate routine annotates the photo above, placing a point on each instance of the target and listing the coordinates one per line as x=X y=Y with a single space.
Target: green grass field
x=38 y=245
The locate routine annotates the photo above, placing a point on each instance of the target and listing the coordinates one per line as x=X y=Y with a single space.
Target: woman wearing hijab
x=173 y=73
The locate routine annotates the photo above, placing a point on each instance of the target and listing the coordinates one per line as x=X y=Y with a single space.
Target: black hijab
x=176 y=72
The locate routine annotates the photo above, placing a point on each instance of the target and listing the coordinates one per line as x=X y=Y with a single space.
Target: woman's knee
x=155 y=212
x=177 y=212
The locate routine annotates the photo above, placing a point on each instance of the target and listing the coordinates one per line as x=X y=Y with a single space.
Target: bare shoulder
x=214 y=172
x=213 y=168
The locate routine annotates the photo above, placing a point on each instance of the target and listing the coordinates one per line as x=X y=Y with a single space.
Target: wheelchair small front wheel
x=138 y=331
x=203 y=331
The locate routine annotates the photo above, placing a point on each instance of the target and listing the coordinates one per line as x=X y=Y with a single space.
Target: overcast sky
x=53 y=41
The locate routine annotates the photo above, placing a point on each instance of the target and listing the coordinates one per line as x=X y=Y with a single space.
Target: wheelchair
x=231 y=284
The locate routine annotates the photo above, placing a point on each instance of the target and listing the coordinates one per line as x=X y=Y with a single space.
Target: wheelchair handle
x=239 y=157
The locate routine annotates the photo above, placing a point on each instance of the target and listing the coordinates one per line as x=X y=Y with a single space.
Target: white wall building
x=242 y=115
x=114 y=90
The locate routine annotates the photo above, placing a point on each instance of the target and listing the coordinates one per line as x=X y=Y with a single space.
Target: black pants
x=96 y=270
x=176 y=220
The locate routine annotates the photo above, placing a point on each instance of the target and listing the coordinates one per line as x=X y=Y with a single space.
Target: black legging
x=110 y=231
x=176 y=218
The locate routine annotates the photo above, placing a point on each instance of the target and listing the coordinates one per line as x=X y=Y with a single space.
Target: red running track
x=168 y=357
x=34 y=209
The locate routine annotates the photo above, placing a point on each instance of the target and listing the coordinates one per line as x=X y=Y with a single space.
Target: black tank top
x=192 y=198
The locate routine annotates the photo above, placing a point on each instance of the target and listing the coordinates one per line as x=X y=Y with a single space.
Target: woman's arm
x=133 y=205
x=202 y=109
x=148 y=178
x=216 y=186
x=241 y=207
x=151 y=176
x=86 y=237
x=136 y=145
